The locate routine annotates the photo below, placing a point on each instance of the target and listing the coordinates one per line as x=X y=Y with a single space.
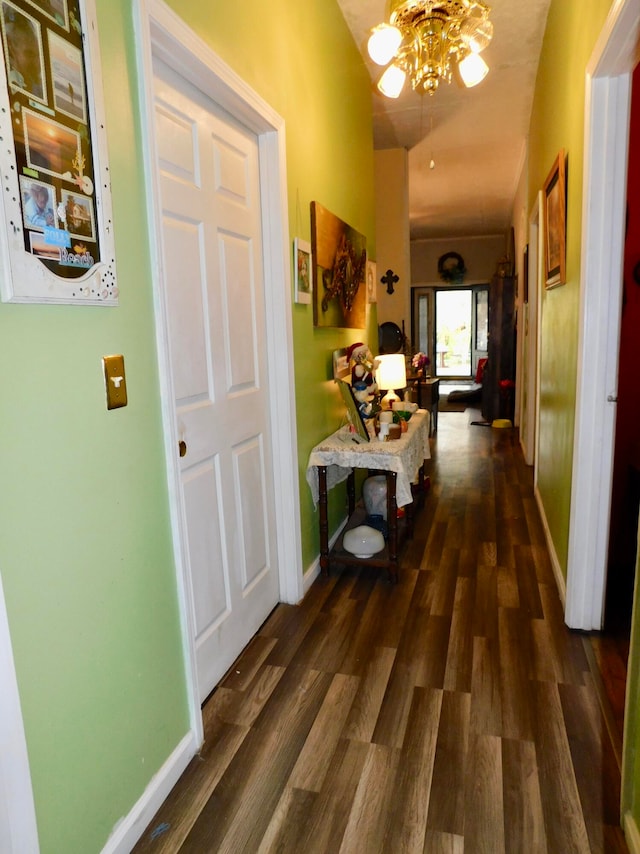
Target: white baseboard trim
x=314 y=570
x=129 y=829
x=523 y=448
x=632 y=835
x=310 y=576
x=555 y=563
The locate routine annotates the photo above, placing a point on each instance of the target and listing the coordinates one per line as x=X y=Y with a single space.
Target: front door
x=212 y=255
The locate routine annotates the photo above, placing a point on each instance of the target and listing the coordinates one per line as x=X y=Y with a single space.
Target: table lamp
x=391 y=374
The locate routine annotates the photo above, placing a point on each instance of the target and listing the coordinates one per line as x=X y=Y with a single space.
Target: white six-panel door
x=212 y=255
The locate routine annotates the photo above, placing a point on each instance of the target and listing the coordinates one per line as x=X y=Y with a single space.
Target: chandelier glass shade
x=427 y=40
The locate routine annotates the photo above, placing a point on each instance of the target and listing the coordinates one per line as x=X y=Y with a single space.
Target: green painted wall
x=557 y=122
x=320 y=86
x=86 y=555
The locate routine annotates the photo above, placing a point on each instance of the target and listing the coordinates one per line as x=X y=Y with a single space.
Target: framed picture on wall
x=56 y=229
x=372 y=293
x=302 y=271
x=339 y=255
x=555 y=211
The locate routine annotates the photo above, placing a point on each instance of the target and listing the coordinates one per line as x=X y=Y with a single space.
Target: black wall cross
x=389 y=279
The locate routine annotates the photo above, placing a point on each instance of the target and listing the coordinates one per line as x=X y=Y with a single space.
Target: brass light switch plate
x=115 y=381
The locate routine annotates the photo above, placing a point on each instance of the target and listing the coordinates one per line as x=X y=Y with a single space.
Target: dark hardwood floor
x=451 y=712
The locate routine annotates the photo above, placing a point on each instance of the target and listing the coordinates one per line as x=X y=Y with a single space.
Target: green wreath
x=451 y=267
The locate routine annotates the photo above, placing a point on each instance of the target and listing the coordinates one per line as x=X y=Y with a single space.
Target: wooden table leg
x=408 y=515
x=418 y=494
x=392 y=523
x=323 y=520
x=351 y=491
x=419 y=491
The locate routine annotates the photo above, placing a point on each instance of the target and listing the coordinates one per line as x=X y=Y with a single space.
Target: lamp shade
x=473 y=69
x=383 y=43
x=391 y=374
x=392 y=82
x=391 y=371
x=476 y=33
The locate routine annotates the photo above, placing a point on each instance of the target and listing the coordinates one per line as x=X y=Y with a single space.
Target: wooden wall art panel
x=339 y=255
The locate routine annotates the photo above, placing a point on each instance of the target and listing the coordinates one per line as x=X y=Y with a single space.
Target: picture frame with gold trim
x=554 y=221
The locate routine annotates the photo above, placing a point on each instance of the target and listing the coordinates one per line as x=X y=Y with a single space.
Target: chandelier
x=426 y=40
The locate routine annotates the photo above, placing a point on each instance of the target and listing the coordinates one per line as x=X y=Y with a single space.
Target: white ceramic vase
x=374 y=495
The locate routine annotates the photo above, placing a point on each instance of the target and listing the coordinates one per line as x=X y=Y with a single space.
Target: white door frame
x=162 y=34
x=607 y=106
x=18 y=828
x=529 y=438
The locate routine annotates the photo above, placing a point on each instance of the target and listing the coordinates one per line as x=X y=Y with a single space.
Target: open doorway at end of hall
x=451 y=326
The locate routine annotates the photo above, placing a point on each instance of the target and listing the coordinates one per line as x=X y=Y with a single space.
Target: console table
x=402 y=460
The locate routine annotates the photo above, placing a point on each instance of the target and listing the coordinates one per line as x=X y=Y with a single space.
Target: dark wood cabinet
x=498 y=400
x=427 y=395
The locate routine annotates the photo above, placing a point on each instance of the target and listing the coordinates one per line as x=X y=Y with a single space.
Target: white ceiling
x=478 y=135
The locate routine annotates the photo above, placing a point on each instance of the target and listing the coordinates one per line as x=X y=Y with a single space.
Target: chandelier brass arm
x=426 y=40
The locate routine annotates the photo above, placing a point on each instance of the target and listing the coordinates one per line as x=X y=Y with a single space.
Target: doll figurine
x=363 y=366
x=364 y=399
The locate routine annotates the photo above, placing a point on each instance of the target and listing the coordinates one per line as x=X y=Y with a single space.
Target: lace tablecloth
x=404 y=456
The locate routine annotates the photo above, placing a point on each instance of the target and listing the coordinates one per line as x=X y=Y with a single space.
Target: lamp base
x=389 y=399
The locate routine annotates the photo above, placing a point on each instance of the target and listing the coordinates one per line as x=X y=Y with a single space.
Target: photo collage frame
x=62 y=202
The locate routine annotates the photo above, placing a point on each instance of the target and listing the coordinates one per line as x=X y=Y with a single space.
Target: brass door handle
x=182 y=447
